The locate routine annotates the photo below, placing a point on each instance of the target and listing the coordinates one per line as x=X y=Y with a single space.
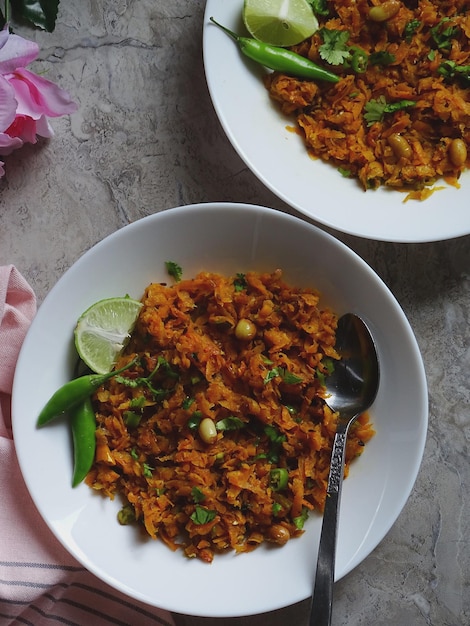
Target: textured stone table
x=146 y=138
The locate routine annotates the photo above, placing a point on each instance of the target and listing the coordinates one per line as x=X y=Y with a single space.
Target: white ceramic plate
x=225 y=238
x=277 y=156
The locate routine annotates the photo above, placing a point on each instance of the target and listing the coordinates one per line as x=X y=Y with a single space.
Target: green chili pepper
x=279 y=59
x=83 y=424
x=278 y=478
x=74 y=393
x=359 y=60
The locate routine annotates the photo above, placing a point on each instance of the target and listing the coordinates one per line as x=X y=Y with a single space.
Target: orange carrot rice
x=219 y=438
x=399 y=116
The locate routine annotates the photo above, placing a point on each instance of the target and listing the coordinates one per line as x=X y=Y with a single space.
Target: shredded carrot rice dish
x=218 y=438
x=400 y=114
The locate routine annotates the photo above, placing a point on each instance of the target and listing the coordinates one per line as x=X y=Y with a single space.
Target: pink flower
x=26 y=99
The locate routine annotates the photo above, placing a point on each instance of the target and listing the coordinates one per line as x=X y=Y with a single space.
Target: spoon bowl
x=351 y=390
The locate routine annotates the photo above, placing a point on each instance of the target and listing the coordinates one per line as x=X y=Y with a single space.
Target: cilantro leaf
x=375 y=110
x=230 y=423
x=239 y=282
x=381 y=58
x=202 y=515
x=197 y=495
x=147 y=470
x=410 y=29
x=301 y=519
x=287 y=377
x=450 y=70
x=320 y=7
x=334 y=49
x=443 y=35
x=174 y=270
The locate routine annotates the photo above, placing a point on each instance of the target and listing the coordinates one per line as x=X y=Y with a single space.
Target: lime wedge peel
x=103 y=331
x=279 y=22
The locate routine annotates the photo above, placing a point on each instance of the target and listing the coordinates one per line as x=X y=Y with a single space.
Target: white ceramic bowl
x=225 y=238
x=263 y=138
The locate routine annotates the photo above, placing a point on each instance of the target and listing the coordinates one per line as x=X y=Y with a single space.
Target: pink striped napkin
x=40 y=582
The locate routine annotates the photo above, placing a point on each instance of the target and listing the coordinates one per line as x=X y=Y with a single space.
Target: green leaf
x=381 y=58
x=147 y=470
x=286 y=376
x=443 y=34
x=187 y=402
x=289 y=378
x=194 y=420
x=376 y=109
x=273 y=434
x=320 y=7
x=41 y=13
x=301 y=519
x=239 y=282
x=174 y=270
x=131 y=419
x=450 y=70
x=197 y=495
x=137 y=402
x=276 y=508
x=126 y=515
x=334 y=49
x=410 y=29
x=230 y=423
x=202 y=515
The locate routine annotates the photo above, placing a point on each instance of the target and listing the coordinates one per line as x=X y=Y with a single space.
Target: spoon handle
x=322 y=601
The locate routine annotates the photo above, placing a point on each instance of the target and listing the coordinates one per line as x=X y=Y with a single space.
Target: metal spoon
x=352 y=388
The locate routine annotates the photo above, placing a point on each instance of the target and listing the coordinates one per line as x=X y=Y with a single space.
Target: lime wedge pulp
x=279 y=22
x=103 y=330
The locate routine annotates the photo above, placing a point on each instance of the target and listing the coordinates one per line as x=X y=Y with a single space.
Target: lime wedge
x=103 y=330
x=279 y=22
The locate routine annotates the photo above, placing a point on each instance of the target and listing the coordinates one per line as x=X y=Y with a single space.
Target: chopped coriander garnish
x=140 y=381
x=126 y=515
x=276 y=440
x=187 y=402
x=320 y=7
x=443 y=35
x=376 y=109
x=381 y=58
x=197 y=495
x=195 y=420
x=230 y=423
x=286 y=376
x=138 y=402
x=334 y=49
x=174 y=270
x=273 y=434
x=147 y=470
x=450 y=70
x=410 y=29
x=202 y=515
x=131 y=419
x=301 y=519
x=276 y=508
x=239 y=282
